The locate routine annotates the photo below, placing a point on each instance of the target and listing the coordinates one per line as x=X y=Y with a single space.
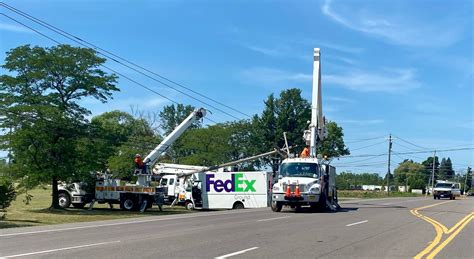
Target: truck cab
x=303 y=181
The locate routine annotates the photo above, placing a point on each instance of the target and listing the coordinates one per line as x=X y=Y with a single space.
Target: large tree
x=290 y=113
x=409 y=173
x=40 y=101
x=446 y=171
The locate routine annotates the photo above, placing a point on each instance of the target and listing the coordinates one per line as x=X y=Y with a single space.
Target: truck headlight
x=314 y=189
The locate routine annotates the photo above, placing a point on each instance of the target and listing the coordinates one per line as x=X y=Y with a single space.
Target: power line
x=437 y=150
x=408 y=142
x=88 y=45
x=378 y=143
x=364 y=139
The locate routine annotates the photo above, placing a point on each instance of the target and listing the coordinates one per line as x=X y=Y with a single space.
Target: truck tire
x=189 y=205
x=454 y=197
x=238 y=206
x=129 y=204
x=78 y=205
x=276 y=206
x=64 y=200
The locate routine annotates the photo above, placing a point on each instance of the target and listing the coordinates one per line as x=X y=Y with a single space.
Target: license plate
x=311 y=197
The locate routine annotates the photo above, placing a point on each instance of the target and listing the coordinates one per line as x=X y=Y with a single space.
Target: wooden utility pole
x=389 y=157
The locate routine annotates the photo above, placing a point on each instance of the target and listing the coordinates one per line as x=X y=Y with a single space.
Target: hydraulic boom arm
x=151 y=158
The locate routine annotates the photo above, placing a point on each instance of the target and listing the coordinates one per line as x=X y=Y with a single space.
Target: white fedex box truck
x=234 y=190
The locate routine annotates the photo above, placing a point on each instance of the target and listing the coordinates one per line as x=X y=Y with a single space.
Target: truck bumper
x=304 y=199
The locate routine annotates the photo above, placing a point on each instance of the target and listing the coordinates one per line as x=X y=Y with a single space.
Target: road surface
x=384 y=228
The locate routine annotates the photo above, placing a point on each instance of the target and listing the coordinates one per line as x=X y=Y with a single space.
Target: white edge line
x=357 y=223
x=260 y=220
x=60 y=249
x=160 y=218
x=236 y=253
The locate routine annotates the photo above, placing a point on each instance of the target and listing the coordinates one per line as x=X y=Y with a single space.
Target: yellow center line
x=440 y=229
x=468 y=217
x=451 y=237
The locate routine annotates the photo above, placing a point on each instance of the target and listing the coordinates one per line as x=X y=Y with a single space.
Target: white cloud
x=397 y=29
x=281 y=51
x=13 y=28
x=272 y=76
x=390 y=81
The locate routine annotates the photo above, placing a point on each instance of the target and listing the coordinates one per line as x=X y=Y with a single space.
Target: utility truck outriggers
x=308 y=180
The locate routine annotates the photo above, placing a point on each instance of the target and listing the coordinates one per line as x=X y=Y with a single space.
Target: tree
x=40 y=98
x=410 y=173
x=469 y=179
x=7 y=195
x=333 y=146
x=117 y=137
x=172 y=115
x=428 y=164
x=446 y=171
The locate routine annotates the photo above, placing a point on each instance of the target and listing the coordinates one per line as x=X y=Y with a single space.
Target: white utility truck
x=140 y=195
x=309 y=180
x=445 y=189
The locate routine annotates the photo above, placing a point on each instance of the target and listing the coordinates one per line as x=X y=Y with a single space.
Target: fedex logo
x=235 y=184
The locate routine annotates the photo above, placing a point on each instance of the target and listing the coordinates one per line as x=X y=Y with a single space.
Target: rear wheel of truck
x=64 y=200
x=129 y=204
x=238 y=206
x=78 y=205
x=276 y=206
x=189 y=205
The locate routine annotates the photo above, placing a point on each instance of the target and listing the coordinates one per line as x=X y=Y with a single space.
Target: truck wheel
x=129 y=204
x=189 y=205
x=276 y=206
x=238 y=206
x=64 y=200
x=454 y=197
x=78 y=205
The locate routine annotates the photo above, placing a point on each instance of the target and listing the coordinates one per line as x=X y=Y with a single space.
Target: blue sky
x=400 y=67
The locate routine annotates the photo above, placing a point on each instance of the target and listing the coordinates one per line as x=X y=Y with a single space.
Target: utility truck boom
x=308 y=181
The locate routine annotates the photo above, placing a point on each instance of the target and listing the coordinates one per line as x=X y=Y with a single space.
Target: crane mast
x=317 y=129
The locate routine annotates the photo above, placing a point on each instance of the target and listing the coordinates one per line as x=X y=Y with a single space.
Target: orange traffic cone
x=297 y=190
x=288 y=190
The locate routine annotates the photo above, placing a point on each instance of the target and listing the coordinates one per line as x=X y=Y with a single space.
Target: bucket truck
x=308 y=180
x=140 y=195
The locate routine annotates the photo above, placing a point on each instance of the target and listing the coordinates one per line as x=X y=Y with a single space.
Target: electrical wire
x=378 y=143
x=78 y=41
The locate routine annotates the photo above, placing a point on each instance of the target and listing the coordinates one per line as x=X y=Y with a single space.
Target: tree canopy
x=40 y=102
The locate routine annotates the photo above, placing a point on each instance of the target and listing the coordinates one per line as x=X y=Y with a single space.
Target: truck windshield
x=443 y=185
x=299 y=169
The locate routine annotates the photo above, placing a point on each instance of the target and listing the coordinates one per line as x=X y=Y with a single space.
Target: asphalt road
x=384 y=228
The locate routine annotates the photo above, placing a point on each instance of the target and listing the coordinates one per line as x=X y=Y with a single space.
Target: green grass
x=38 y=213
x=341 y=194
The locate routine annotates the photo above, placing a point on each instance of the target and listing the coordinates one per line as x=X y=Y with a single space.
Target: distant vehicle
x=445 y=189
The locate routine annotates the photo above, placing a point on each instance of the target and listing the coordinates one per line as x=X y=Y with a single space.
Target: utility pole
x=465 y=181
x=433 y=170
x=389 y=157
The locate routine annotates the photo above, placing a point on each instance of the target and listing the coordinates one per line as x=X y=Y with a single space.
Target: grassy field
x=372 y=194
x=38 y=213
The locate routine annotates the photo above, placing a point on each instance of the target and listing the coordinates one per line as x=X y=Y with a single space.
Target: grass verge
x=341 y=194
x=38 y=213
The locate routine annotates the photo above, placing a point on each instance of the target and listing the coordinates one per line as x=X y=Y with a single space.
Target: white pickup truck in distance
x=444 y=189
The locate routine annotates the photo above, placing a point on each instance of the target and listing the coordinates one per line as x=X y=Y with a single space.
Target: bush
x=7 y=195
